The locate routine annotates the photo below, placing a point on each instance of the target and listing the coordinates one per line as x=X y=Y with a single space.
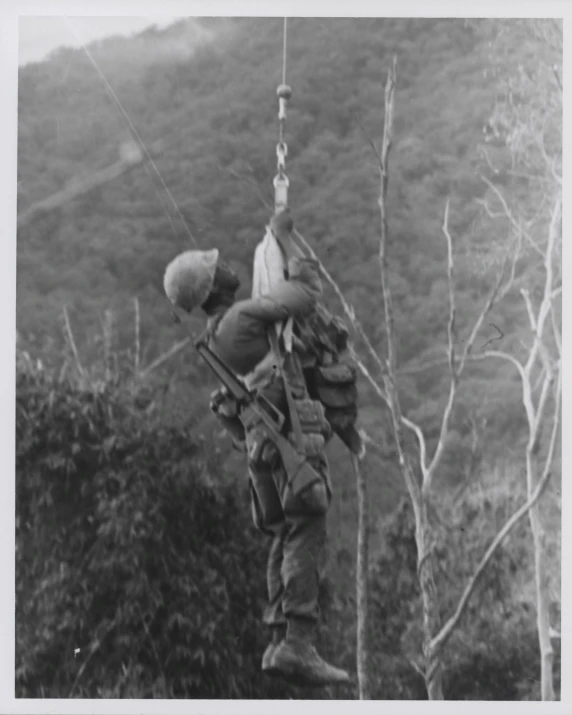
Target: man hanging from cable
x=289 y=508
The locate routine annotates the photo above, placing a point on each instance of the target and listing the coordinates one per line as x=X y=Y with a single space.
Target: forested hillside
x=216 y=113
x=205 y=89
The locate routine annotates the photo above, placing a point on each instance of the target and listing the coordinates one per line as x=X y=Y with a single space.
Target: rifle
x=256 y=409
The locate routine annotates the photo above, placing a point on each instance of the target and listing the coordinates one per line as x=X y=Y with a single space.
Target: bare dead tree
x=532 y=131
x=435 y=635
x=362 y=584
x=546 y=355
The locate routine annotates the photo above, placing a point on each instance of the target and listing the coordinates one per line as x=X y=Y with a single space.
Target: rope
x=284 y=52
x=135 y=134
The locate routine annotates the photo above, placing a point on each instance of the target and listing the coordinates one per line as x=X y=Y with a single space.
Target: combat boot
x=278 y=634
x=297 y=660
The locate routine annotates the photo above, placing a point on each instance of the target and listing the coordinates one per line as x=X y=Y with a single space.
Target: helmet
x=189 y=278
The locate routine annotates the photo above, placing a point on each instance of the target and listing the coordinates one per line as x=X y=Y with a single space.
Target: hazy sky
x=40 y=35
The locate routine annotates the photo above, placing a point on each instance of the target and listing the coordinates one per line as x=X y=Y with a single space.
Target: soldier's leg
x=273 y=613
x=303 y=553
x=304 y=545
x=269 y=518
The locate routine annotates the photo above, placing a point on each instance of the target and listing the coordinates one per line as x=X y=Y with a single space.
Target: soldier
x=239 y=334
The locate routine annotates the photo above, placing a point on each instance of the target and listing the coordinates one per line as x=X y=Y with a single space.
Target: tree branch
x=72 y=342
x=428 y=475
x=478 y=323
x=450 y=283
x=366 y=373
x=529 y=309
x=177 y=347
x=548 y=379
x=368 y=139
x=509 y=216
x=555 y=330
x=422 y=444
x=547 y=296
x=526 y=388
x=450 y=625
x=456 y=373
x=348 y=308
x=389 y=374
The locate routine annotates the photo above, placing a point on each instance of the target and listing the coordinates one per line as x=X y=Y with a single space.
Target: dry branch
x=429 y=472
x=362 y=583
x=177 y=347
x=507 y=213
x=348 y=308
x=72 y=341
x=555 y=330
x=546 y=303
x=389 y=374
x=450 y=625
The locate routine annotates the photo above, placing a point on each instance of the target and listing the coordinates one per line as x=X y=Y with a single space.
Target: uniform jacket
x=241 y=336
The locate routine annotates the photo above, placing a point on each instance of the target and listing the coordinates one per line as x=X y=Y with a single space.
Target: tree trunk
x=430 y=599
x=542 y=587
x=362 y=584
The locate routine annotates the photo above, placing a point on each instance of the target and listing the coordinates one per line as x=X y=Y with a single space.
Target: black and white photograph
x=288 y=358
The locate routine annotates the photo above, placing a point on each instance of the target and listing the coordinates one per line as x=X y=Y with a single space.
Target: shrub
x=135 y=578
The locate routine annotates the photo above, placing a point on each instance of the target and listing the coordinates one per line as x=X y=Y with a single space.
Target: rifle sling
x=294 y=417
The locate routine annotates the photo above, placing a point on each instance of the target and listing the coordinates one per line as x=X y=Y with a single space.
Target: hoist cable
x=135 y=134
x=284 y=51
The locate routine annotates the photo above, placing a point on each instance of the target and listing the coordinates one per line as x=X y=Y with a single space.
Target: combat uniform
x=293 y=516
x=298 y=525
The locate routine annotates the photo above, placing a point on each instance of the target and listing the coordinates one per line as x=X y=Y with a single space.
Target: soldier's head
x=200 y=278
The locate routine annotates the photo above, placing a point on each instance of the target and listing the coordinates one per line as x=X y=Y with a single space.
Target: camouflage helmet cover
x=189 y=278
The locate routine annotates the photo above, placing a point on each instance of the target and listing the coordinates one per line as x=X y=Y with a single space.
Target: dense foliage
x=130 y=554
x=216 y=114
x=139 y=573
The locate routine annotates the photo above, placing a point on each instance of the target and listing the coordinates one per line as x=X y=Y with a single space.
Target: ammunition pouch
x=313 y=418
x=335 y=386
x=312 y=446
x=324 y=332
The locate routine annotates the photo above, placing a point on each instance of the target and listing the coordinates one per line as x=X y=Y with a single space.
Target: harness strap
x=294 y=416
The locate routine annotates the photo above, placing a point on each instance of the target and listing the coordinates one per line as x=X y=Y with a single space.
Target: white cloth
x=268 y=273
x=269 y=265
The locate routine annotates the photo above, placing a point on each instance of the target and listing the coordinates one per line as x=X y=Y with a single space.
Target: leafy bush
x=135 y=578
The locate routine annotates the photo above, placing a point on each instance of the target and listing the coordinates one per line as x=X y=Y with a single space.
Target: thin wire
x=135 y=134
x=284 y=52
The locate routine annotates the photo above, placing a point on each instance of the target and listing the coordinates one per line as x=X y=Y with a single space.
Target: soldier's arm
x=296 y=297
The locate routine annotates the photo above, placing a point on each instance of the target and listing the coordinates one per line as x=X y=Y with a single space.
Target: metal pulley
x=284 y=93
